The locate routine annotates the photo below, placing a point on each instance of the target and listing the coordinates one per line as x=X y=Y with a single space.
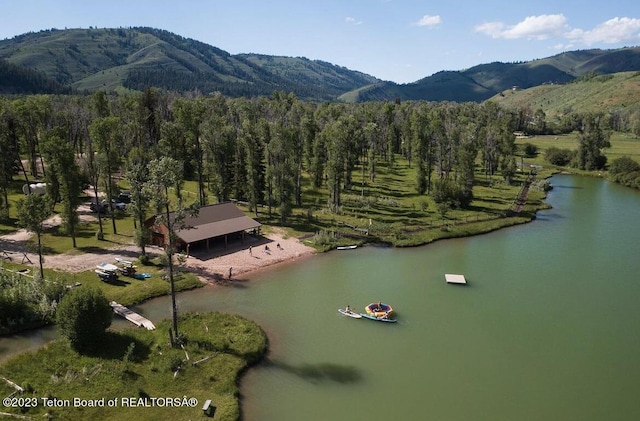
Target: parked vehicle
x=124 y=197
x=118 y=205
x=100 y=206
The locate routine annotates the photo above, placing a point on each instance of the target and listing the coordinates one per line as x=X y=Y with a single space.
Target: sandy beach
x=242 y=259
x=212 y=266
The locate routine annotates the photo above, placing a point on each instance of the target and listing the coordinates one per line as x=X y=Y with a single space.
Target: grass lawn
x=622 y=144
x=139 y=368
x=390 y=210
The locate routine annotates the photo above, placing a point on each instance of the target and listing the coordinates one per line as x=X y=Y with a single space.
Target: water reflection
x=319 y=372
x=549 y=216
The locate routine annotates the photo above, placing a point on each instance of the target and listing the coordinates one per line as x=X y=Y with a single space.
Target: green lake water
x=547 y=329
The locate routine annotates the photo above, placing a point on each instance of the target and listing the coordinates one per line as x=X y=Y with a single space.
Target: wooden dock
x=132 y=316
x=455 y=279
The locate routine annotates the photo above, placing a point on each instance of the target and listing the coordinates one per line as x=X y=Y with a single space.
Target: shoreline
x=238 y=260
x=211 y=267
x=247 y=259
x=241 y=259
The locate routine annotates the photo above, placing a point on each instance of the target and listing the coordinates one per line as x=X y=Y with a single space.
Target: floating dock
x=455 y=279
x=132 y=316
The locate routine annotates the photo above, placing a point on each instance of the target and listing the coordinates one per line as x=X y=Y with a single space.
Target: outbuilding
x=218 y=223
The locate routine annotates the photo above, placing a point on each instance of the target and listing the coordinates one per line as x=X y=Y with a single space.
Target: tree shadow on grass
x=8 y=226
x=115 y=345
x=118 y=282
x=57 y=231
x=316 y=373
x=103 y=250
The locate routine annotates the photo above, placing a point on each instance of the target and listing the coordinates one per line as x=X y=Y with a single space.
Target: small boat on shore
x=127 y=268
x=107 y=272
x=347 y=247
x=106 y=276
x=107 y=267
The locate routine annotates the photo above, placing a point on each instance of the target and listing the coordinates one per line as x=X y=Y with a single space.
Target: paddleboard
x=380 y=319
x=350 y=313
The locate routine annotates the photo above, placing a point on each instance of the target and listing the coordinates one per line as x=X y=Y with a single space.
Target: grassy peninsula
x=139 y=375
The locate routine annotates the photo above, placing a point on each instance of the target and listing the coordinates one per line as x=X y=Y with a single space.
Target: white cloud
x=613 y=31
x=532 y=27
x=563 y=47
x=352 y=21
x=429 y=20
x=616 y=30
x=493 y=29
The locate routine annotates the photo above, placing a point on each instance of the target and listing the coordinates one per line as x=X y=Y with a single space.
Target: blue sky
x=398 y=40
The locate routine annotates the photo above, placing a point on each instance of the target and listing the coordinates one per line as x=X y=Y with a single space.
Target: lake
x=547 y=328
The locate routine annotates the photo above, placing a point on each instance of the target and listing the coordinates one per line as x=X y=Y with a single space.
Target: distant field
x=622 y=144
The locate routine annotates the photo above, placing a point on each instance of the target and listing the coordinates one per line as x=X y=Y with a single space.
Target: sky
x=395 y=40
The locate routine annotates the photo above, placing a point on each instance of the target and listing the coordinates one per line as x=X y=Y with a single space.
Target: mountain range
x=85 y=60
x=483 y=81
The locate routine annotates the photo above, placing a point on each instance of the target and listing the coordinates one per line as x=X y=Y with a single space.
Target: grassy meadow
x=136 y=368
x=622 y=144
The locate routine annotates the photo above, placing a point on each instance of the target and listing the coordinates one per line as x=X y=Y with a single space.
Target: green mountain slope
x=604 y=93
x=15 y=79
x=486 y=80
x=134 y=58
x=304 y=71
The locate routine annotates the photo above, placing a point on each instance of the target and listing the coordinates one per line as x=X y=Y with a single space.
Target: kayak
x=346 y=247
x=380 y=319
x=349 y=313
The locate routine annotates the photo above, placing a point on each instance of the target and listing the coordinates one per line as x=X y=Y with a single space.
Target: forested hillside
x=138 y=58
x=481 y=82
x=15 y=79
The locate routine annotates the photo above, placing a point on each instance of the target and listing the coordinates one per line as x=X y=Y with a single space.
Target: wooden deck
x=132 y=316
x=455 y=279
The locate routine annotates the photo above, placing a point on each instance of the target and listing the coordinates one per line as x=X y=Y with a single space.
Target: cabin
x=214 y=224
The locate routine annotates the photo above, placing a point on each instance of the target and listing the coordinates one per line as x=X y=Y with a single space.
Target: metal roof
x=215 y=221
